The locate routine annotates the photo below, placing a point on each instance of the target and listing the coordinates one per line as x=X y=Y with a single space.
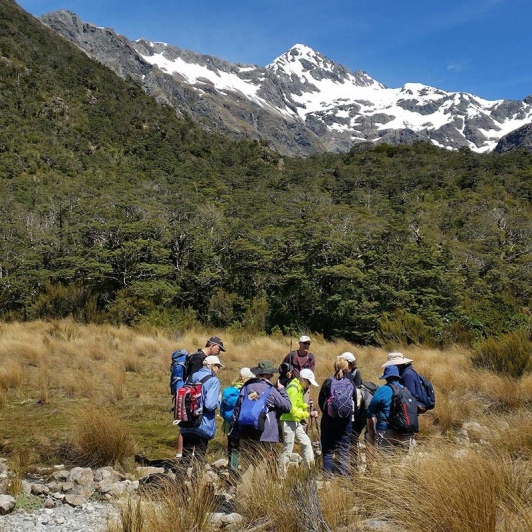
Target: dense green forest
x=115 y=210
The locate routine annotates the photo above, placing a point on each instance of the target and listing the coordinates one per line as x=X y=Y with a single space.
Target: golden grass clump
x=460 y=491
x=11 y=375
x=168 y=507
x=26 y=352
x=266 y=503
x=100 y=439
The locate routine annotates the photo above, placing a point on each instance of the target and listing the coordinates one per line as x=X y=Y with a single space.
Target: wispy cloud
x=456 y=66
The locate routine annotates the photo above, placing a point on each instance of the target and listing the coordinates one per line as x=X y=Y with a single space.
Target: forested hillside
x=115 y=210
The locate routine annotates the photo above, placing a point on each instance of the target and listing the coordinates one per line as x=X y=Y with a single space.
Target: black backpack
x=403 y=411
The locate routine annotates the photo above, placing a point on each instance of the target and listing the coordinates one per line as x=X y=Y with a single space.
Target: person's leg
x=179 y=442
x=188 y=453
x=358 y=427
x=344 y=443
x=327 y=446
x=306 y=445
x=289 y=433
x=233 y=446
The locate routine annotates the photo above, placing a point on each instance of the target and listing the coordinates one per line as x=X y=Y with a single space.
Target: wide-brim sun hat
x=309 y=375
x=264 y=367
x=395 y=359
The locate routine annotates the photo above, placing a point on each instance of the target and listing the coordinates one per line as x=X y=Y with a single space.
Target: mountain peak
x=300 y=58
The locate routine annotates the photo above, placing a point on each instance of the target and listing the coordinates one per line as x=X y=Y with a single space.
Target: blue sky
x=479 y=46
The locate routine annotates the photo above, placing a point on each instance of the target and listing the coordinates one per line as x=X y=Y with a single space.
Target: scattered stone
x=63 y=474
x=222 y=463
x=81 y=475
x=7 y=503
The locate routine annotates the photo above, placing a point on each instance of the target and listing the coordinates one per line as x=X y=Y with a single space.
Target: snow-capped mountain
x=300 y=103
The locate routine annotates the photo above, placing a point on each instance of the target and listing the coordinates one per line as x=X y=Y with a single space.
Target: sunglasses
x=305 y=343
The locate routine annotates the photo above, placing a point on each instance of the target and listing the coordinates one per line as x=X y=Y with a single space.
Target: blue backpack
x=340 y=401
x=428 y=401
x=253 y=411
x=178 y=369
x=229 y=399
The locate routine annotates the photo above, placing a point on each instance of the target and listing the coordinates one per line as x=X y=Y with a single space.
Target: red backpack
x=188 y=404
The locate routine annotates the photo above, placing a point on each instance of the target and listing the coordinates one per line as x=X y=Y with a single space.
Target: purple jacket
x=277 y=402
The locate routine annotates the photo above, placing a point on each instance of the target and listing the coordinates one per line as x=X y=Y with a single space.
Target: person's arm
x=278 y=400
x=236 y=409
x=357 y=378
x=212 y=394
x=324 y=393
x=299 y=407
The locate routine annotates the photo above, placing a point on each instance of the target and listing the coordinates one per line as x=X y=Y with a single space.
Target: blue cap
x=389 y=372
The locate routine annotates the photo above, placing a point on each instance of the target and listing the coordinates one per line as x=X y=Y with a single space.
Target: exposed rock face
x=520 y=138
x=302 y=102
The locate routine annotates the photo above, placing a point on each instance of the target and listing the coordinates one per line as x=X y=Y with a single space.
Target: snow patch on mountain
x=302 y=101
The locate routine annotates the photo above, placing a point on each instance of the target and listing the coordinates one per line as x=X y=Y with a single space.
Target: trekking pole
x=314 y=420
x=291 y=355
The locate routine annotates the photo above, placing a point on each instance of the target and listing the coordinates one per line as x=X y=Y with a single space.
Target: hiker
x=258 y=428
x=229 y=399
x=213 y=347
x=195 y=439
x=353 y=373
x=378 y=414
x=285 y=374
x=300 y=358
x=336 y=403
x=410 y=378
x=293 y=423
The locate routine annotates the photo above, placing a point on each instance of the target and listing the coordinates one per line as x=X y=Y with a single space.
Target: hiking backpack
x=428 y=401
x=188 y=404
x=229 y=399
x=340 y=401
x=178 y=369
x=253 y=410
x=403 y=411
x=363 y=400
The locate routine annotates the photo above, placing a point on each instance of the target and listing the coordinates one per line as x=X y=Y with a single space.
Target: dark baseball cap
x=217 y=341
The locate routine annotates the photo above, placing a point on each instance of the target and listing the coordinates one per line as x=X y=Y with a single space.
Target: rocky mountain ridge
x=302 y=102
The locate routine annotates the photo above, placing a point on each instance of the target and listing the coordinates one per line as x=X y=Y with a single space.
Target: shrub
x=404 y=328
x=510 y=354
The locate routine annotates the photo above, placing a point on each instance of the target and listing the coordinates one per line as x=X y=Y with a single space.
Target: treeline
x=115 y=210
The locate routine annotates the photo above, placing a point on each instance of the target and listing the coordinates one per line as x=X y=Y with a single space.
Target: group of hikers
x=259 y=413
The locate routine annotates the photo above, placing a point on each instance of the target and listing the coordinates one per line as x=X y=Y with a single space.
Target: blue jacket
x=381 y=404
x=210 y=394
x=278 y=403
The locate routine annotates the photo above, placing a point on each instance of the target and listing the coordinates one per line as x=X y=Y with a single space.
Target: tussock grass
x=172 y=506
x=101 y=440
x=11 y=375
x=267 y=503
x=100 y=389
x=461 y=491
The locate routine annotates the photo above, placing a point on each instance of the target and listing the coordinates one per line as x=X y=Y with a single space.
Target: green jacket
x=299 y=410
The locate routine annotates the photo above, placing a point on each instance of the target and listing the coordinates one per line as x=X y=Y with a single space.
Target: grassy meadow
x=98 y=394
